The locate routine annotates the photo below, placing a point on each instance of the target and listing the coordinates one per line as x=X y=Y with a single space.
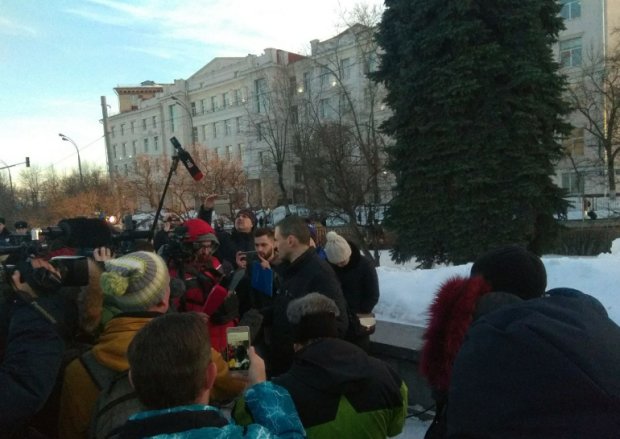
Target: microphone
x=187 y=160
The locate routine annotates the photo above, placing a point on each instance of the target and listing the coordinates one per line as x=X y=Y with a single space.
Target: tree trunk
x=611 y=176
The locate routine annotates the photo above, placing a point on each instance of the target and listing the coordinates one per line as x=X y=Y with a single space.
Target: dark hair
x=296 y=226
x=264 y=231
x=168 y=359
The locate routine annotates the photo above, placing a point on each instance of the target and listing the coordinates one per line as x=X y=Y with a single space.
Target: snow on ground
x=406 y=292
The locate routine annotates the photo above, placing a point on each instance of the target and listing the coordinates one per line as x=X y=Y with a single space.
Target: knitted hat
x=313 y=316
x=512 y=269
x=136 y=281
x=249 y=214
x=201 y=231
x=337 y=248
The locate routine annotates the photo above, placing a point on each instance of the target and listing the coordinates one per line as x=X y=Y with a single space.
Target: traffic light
x=27 y=162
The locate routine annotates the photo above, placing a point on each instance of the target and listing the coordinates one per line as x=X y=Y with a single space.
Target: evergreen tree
x=477 y=114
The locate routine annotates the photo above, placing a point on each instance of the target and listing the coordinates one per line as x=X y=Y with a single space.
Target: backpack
x=117 y=399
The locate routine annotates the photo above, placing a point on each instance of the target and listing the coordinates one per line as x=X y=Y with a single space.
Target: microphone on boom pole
x=187 y=160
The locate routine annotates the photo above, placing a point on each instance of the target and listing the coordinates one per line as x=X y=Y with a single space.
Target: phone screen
x=237 y=345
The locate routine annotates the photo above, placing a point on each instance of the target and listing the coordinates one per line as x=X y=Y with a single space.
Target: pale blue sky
x=59 y=56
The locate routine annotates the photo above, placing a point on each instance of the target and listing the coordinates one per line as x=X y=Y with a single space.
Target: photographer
x=32 y=358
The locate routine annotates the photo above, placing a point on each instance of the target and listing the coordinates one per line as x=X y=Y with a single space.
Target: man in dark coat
x=4 y=232
x=359 y=281
x=539 y=368
x=302 y=272
x=233 y=244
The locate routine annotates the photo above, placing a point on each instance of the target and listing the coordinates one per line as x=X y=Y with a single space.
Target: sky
x=59 y=57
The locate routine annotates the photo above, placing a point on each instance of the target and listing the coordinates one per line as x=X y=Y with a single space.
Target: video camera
x=80 y=234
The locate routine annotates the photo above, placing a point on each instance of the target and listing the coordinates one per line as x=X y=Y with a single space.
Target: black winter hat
x=21 y=225
x=512 y=269
x=248 y=213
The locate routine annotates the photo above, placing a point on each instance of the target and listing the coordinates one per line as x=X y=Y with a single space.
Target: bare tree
x=343 y=101
x=595 y=95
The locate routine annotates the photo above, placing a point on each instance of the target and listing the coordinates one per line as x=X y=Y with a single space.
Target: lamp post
x=68 y=139
x=181 y=104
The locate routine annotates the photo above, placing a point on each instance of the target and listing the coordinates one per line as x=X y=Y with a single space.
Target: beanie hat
x=313 y=316
x=512 y=269
x=248 y=213
x=337 y=248
x=136 y=281
x=201 y=231
x=21 y=225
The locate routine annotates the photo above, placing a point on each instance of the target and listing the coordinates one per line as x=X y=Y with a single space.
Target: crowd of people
x=141 y=350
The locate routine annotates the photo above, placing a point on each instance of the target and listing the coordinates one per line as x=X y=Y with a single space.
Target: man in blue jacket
x=172 y=373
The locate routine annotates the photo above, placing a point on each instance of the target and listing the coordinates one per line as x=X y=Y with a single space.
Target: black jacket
x=230 y=243
x=307 y=274
x=541 y=368
x=359 y=282
x=329 y=370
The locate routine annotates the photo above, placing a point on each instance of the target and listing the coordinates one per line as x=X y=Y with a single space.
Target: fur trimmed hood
x=451 y=314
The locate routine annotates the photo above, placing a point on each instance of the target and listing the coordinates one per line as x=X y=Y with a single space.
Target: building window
x=124 y=148
x=134 y=148
x=573 y=183
x=133 y=127
x=299 y=176
x=571 y=9
x=237 y=96
x=116 y=168
x=122 y=129
x=213 y=103
x=570 y=52
x=171 y=117
x=202 y=106
x=238 y=123
x=214 y=126
x=113 y=131
x=307 y=81
x=193 y=107
x=194 y=134
x=371 y=63
x=114 y=151
x=345 y=67
x=264 y=158
x=143 y=124
x=324 y=107
x=240 y=150
x=146 y=145
x=155 y=143
x=259 y=131
x=217 y=152
x=574 y=145
x=126 y=169
x=260 y=89
x=225 y=99
x=324 y=76
x=229 y=152
x=227 y=127
x=154 y=121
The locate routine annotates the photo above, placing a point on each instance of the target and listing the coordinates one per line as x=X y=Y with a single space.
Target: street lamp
x=68 y=139
x=180 y=103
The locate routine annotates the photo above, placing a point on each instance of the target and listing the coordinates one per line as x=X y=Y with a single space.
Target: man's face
x=283 y=246
x=264 y=245
x=205 y=250
x=243 y=223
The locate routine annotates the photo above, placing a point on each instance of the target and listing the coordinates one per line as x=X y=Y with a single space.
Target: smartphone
x=237 y=346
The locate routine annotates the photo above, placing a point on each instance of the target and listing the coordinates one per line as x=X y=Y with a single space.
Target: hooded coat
x=341 y=392
x=541 y=368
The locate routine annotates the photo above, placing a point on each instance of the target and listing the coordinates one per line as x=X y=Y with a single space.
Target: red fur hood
x=451 y=314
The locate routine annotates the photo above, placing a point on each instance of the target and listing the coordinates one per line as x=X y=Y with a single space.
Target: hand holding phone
x=237 y=348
